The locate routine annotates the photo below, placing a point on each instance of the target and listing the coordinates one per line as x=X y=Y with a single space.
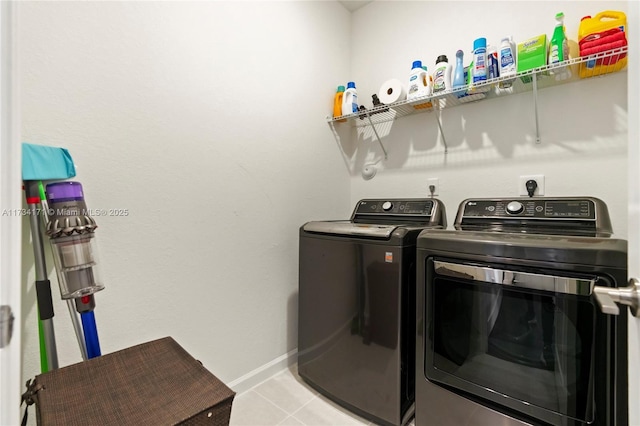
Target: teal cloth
x=40 y=162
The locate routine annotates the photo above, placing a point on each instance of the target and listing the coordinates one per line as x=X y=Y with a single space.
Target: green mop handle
x=44 y=362
x=43 y=286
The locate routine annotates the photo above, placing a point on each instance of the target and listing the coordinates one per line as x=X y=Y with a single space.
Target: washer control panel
x=575 y=208
x=396 y=207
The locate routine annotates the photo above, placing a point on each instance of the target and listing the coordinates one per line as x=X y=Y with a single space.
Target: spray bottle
x=558 y=47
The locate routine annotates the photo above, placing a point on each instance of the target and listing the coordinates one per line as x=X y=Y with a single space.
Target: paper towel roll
x=392 y=91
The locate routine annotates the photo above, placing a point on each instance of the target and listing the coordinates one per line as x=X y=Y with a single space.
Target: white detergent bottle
x=418 y=82
x=442 y=75
x=507 y=61
x=350 y=99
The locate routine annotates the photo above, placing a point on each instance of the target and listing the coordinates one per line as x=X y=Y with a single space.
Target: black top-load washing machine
x=356 y=305
x=509 y=329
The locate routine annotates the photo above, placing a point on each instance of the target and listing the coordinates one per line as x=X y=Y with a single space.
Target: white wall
x=206 y=120
x=491 y=143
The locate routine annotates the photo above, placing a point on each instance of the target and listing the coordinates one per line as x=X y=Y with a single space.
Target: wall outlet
x=436 y=187
x=522 y=185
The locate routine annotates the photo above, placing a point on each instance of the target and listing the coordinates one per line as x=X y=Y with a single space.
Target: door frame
x=633 y=110
x=10 y=208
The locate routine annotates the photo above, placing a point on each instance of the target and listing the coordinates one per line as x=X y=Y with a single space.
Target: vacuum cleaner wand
x=71 y=230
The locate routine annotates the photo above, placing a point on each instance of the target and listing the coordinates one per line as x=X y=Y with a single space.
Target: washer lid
x=349 y=228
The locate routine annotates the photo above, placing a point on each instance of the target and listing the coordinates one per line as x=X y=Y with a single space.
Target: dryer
x=356 y=319
x=509 y=331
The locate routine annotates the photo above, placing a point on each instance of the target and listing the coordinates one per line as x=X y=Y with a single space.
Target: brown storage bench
x=155 y=383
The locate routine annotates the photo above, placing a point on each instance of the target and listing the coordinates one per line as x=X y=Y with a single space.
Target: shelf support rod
x=444 y=141
x=535 y=106
x=377 y=136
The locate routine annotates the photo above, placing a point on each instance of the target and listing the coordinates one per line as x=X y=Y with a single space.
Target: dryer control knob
x=386 y=206
x=515 y=207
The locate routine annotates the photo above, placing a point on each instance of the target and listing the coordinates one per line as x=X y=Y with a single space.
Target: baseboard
x=264 y=372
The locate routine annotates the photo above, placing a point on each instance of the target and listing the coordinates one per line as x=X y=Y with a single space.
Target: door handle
x=6 y=325
x=608 y=297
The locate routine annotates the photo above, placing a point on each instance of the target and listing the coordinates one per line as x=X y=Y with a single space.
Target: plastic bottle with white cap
x=418 y=81
x=507 y=61
x=350 y=99
x=442 y=75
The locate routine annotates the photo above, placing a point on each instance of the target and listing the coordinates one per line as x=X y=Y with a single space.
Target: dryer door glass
x=527 y=349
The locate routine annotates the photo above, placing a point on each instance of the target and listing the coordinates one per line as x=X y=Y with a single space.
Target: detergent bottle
x=337 y=102
x=418 y=81
x=507 y=61
x=350 y=99
x=419 y=84
x=604 y=32
x=442 y=75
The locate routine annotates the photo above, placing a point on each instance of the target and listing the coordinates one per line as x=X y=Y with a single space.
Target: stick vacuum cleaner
x=71 y=230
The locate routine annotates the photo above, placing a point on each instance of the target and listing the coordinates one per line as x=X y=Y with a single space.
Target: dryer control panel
x=537 y=208
x=561 y=216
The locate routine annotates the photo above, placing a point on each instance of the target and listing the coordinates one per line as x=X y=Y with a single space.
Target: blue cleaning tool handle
x=90 y=334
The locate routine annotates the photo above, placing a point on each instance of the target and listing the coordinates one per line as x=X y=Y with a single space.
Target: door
x=10 y=220
x=634 y=205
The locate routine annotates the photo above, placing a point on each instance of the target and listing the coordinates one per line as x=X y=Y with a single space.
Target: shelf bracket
x=376 y=133
x=439 y=120
x=535 y=106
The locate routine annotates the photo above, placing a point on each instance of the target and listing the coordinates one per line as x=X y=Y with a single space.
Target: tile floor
x=285 y=399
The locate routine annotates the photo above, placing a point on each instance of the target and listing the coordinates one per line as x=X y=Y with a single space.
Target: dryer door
x=528 y=349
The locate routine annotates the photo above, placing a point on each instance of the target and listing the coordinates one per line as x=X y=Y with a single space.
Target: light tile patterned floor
x=286 y=400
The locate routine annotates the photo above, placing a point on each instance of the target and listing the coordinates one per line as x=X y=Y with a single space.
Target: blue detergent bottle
x=458 y=76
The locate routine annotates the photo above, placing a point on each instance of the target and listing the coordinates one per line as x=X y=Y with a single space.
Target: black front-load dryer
x=356 y=319
x=510 y=330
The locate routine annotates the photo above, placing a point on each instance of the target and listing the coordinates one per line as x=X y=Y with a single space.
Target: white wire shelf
x=532 y=80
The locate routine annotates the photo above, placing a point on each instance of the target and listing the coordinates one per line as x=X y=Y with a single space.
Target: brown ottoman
x=155 y=383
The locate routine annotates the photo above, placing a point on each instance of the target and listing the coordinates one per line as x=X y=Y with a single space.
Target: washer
x=356 y=319
x=509 y=327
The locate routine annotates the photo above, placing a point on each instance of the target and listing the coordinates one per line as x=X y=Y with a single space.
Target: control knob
x=515 y=207
x=386 y=206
